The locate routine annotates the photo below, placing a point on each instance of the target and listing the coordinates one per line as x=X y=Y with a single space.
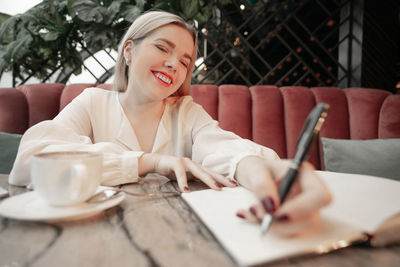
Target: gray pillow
x=377 y=157
x=8 y=150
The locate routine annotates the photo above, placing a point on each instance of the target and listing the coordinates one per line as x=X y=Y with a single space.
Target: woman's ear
x=128 y=51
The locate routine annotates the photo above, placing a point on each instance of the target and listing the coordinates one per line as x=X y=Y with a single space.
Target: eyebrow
x=171 y=44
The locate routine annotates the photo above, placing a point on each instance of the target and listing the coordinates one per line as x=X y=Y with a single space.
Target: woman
x=148 y=125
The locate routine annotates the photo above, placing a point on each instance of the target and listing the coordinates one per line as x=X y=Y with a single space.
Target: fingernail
x=268 y=204
x=240 y=215
x=253 y=211
x=282 y=218
x=186 y=189
x=218 y=185
x=233 y=181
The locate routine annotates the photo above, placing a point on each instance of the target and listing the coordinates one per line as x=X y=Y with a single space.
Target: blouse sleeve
x=71 y=131
x=221 y=150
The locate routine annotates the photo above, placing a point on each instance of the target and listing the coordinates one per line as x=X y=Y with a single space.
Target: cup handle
x=78 y=176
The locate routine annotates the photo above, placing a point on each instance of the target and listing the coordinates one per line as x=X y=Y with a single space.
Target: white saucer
x=31 y=207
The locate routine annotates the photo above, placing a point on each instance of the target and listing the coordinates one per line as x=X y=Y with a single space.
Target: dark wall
x=381 y=44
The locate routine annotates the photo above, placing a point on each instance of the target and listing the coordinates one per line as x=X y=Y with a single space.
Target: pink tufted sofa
x=268 y=115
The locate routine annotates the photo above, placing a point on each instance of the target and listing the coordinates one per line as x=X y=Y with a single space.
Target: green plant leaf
x=48 y=34
x=18 y=48
x=141 y=3
x=51 y=36
x=88 y=11
x=3 y=61
x=112 y=11
x=78 y=70
x=190 y=8
x=114 y=8
x=8 y=26
x=131 y=12
x=3 y=17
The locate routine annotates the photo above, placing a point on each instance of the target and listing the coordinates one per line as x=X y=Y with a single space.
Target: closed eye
x=184 y=64
x=162 y=48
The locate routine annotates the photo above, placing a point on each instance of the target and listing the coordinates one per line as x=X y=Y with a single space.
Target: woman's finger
x=266 y=191
x=201 y=174
x=248 y=215
x=179 y=169
x=314 y=195
x=221 y=179
x=303 y=205
x=260 y=181
x=180 y=174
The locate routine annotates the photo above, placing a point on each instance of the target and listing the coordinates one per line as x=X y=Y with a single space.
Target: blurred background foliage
x=52 y=34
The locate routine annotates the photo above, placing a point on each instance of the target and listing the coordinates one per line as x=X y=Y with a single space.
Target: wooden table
x=144 y=232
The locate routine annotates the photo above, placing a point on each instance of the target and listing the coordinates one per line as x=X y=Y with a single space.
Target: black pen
x=309 y=133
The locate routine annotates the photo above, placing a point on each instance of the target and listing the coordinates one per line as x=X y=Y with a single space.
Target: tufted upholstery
x=269 y=115
x=274 y=116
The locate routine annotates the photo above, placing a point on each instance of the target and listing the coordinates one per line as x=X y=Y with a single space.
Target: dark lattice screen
x=267 y=42
x=273 y=42
x=288 y=42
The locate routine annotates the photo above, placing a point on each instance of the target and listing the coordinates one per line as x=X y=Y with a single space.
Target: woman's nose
x=171 y=63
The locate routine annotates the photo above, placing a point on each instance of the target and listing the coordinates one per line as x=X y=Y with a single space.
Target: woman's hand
x=180 y=168
x=300 y=209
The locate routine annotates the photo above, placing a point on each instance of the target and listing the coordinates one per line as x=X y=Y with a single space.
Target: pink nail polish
x=186 y=189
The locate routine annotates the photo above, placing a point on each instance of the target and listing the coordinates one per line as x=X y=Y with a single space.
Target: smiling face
x=159 y=63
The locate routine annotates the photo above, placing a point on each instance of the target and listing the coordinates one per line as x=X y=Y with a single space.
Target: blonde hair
x=142 y=27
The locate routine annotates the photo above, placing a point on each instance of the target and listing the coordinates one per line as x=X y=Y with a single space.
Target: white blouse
x=95 y=121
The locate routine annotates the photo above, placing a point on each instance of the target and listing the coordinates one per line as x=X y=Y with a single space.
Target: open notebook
x=361 y=204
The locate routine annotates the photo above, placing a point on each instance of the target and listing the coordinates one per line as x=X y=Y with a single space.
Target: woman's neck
x=137 y=110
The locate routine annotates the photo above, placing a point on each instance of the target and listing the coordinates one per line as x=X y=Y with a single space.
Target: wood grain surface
x=144 y=231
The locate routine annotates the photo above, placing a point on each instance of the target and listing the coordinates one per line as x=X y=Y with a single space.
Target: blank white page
x=245 y=243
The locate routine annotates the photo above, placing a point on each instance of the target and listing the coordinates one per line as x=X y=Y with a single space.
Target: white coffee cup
x=66 y=178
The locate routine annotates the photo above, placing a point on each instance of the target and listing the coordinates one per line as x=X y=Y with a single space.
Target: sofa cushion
x=71 y=91
x=377 y=157
x=13 y=111
x=298 y=102
x=337 y=122
x=268 y=113
x=389 y=118
x=234 y=110
x=364 y=108
x=207 y=96
x=9 y=147
x=43 y=100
